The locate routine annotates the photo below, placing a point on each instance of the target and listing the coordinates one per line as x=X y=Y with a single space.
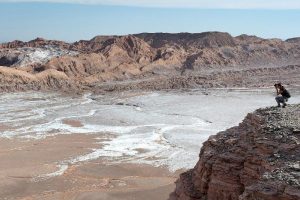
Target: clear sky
x=83 y=19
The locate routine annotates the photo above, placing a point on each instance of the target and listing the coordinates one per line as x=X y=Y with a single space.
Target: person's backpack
x=286 y=94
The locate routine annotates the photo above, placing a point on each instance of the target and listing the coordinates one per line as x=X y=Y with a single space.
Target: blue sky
x=84 y=19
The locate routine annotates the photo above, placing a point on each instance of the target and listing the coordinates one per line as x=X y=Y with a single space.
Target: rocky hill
x=294 y=40
x=188 y=40
x=259 y=159
x=38 y=42
x=151 y=56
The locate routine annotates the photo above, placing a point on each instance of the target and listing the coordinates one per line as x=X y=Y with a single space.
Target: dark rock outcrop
x=187 y=40
x=258 y=160
x=294 y=40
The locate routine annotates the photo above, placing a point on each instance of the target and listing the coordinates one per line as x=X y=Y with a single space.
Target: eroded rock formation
x=158 y=56
x=259 y=159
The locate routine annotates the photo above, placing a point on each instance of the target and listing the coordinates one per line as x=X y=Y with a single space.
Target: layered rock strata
x=257 y=160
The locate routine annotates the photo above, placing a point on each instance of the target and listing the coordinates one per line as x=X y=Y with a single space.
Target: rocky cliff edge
x=259 y=159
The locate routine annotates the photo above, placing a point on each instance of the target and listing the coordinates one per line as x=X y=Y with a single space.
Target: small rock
x=295 y=166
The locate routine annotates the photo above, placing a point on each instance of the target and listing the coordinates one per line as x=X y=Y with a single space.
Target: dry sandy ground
x=22 y=162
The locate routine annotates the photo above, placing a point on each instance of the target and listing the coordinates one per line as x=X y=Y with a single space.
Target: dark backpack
x=286 y=94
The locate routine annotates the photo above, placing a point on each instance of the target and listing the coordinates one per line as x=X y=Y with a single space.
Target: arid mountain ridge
x=145 y=56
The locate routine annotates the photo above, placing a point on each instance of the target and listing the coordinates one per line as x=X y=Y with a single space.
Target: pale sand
x=23 y=161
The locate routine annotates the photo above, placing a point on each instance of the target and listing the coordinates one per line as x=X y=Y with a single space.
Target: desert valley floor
x=56 y=146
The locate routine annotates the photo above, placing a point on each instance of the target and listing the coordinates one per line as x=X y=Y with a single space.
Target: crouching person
x=282 y=95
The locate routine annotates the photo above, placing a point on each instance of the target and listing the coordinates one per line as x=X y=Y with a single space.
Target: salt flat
x=156 y=128
x=114 y=146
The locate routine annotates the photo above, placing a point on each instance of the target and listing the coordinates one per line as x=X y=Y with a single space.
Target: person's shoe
x=284 y=105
